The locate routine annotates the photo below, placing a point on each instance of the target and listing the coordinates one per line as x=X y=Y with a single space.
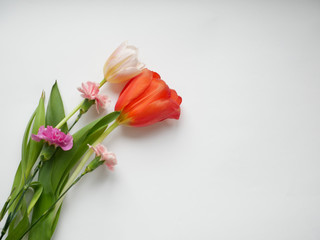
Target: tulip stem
x=85 y=160
x=106 y=133
x=63 y=121
x=102 y=82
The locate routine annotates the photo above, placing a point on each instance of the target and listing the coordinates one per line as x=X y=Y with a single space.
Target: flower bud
x=47 y=152
x=95 y=163
x=123 y=64
x=109 y=158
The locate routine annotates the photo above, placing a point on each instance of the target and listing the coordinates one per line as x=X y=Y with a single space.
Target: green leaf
x=26 y=137
x=4 y=208
x=18 y=180
x=55 y=110
x=37 y=188
x=20 y=176
x=20 y=223
x=34 y=147
x=55 y=221
x=42 y=230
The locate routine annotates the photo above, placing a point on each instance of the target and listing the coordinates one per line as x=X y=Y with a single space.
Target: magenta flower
x=90 y=90
x=54 y=136
x=109 y=158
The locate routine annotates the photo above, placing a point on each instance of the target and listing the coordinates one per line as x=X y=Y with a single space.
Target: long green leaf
x=34 y=147
x=20 y=224
x=37 y=188
x=26 y=137
x=42 y=230
x=27 y=144
x=55 y=110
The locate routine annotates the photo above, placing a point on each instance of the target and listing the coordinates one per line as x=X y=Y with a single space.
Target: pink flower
x=109 y=157
x=54 y=136
x=90 y=90
x=101 y=101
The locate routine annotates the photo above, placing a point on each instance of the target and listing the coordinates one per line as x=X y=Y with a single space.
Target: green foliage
x=37 y=188
x=34 y=147
x=55 y=110
x=55 y=172
x=20 y=223
x=55 y=113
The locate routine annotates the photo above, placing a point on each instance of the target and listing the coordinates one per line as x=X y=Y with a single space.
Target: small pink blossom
x=109 y=157
x=101 y=101
x=90 y=90
x=54 y=136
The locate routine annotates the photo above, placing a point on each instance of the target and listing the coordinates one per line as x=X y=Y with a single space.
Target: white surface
x=242 y=162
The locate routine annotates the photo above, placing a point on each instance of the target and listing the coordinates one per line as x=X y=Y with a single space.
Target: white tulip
x=122 y=65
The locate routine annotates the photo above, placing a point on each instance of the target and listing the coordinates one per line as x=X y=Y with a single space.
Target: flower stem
x=63 y=121
x=106 y=133
x=74 y=123
x=102 y=82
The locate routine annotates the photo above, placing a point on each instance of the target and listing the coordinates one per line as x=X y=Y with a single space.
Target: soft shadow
x=138 y=132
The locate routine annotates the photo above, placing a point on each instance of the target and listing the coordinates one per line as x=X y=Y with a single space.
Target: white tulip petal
x=123 y=64
x=124 y=75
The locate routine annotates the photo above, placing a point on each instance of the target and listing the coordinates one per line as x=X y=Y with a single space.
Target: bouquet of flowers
x=54 y=158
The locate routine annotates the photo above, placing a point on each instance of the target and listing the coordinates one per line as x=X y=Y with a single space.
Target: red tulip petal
x=156 y=75
x=147 y=114
x=157 y=89
x=175 y=97
x=134 y=88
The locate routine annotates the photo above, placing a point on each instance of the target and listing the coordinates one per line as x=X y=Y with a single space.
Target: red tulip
x=146 y=99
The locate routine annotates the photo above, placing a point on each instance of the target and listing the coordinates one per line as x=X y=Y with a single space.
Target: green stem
x=74 y=123
x=52 y=206
x=63 y=121
x=102 y=82
x=106 y=133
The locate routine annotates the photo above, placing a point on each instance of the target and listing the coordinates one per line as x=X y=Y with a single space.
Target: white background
x=243 y=162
